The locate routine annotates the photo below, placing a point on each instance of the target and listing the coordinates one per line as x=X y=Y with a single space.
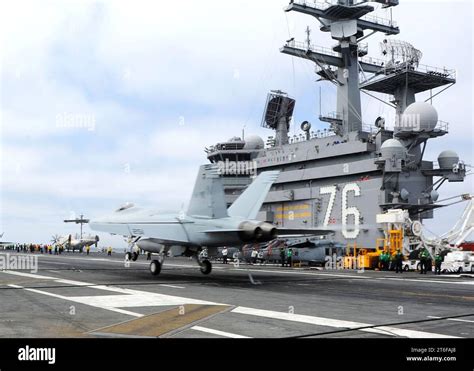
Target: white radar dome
x=419 y=116
x=254 y=142
x=392 y=147
x=448 y=159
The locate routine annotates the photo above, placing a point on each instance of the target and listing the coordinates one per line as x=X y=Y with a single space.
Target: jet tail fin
x=250 y=202
x=208 y=199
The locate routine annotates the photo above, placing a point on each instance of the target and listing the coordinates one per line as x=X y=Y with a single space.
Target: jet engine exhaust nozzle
x=262 y=232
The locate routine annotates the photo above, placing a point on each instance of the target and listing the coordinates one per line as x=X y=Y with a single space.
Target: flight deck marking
x=219 y=333
x=172 y=286
x=328 y=322
x=128 y=299
x=72 y=299
x=453 y=319
x=427 y=281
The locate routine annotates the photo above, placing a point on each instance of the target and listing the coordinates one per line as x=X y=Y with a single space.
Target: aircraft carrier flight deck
x=95 y=296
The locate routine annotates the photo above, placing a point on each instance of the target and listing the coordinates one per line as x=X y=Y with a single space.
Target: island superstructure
x=352 y=171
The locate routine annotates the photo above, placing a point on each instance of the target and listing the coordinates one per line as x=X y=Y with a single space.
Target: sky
x=107 y=102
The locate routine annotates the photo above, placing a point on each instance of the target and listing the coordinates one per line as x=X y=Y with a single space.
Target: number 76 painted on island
x=346 y=210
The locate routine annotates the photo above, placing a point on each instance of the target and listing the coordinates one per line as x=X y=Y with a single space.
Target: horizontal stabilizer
x=220 y=231
x=282 y=232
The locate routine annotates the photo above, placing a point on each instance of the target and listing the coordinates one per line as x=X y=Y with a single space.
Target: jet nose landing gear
x=131 y=256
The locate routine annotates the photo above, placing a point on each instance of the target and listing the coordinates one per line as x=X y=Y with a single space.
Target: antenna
x=398 y=51
x=80 y=221
x=278 y=115
x=308 y=37
x=320 y=101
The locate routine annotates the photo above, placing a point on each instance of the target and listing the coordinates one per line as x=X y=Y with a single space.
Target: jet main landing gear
x=155 y=267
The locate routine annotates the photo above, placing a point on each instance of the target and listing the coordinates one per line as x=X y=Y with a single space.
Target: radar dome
x=254 y=142
x=419 y=116
x=448 y=159
x=392 y=147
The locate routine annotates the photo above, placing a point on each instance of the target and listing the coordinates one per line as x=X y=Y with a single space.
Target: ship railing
x=323 y=5
x=332 y=115
x=316 y=4
x=417 y=126
x=225 y=147
x=437 y=71
x=423 y=68
x=375 y=61
x=388 y=66
x=314 y=48
x=435 y=166
x=379 y=20
x=459 y=165
x=366 y=128
x=318 y=134
x=443 y=126
x=324 y=133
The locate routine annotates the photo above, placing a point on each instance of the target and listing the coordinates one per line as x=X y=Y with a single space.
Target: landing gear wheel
x=155 y=267
x=134 y=256
x=128 y=257
x=206 y=267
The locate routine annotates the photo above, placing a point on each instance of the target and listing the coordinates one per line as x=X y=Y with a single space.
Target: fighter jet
x=207 y=224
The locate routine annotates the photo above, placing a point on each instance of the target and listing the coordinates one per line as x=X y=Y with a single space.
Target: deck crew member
x=424 y=261
x=290 y=257
x=398 y=262
x=254 y=255
x=225 y=253
x=438 y=262
x=384 y=260
x=282 y=256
